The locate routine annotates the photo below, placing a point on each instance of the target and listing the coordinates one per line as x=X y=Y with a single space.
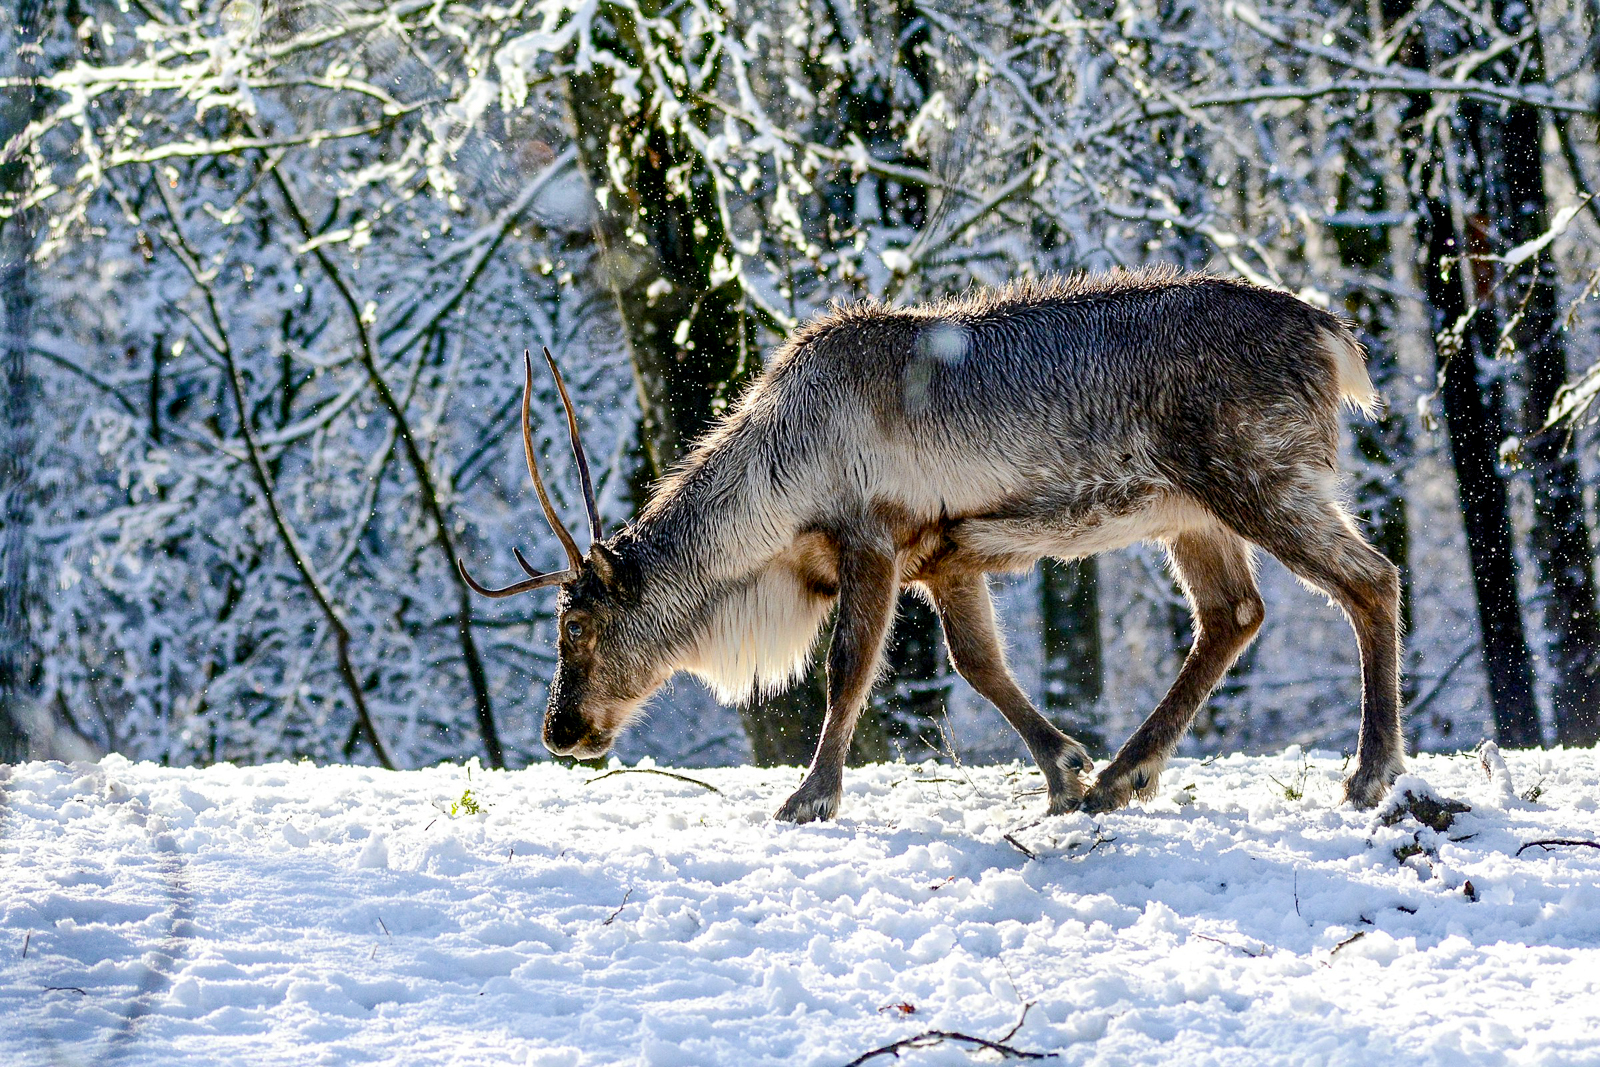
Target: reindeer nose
x=567 y=734
x=583 y=746
x=562 y=734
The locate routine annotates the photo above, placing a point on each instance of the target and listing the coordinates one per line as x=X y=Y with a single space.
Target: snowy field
x=293 y=914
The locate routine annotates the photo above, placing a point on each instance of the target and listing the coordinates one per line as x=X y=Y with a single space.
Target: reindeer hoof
x=1116 y=786
x=809 y=805
x=1065 y=804
x=1067 y=783
x=1064 y=771
x=1365 y=789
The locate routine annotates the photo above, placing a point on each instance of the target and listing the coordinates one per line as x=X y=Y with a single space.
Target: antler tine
x=538 y=581
x=574 y=557
x=577 y=450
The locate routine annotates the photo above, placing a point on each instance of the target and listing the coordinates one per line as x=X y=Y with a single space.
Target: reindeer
x=927 y=447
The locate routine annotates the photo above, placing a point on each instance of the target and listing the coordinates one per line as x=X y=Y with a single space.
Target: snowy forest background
x=268 y=268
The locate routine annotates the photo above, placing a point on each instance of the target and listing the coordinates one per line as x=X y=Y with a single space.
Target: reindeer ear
x=605 y=562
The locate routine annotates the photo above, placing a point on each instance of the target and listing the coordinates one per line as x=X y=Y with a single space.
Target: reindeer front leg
x=869 y=582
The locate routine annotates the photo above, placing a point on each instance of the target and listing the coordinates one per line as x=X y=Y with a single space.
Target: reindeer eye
x=574 y=630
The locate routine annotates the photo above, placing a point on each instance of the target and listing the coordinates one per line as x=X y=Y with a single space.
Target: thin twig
x=1352 y=939
x=652 y=770
x=1019 y=846
x=1551 y=842
x=613 y=916
x=1230 y=944
x=929 y=1038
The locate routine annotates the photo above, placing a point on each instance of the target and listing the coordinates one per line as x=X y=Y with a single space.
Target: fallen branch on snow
x=613 y=916
x=652 y=770
x=1019 y=846
x=930 y=1038
x=1551 y=842
x=1352 y=939
x=1257 y=954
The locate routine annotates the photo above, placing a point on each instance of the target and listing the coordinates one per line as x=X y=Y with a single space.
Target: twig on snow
x=930 y=1038
x=1242 y=948
x=1551 y=842
x=652 y=770
x=1019 y=846
x=613 y=916
x=1099 y=839
x=1352 y=939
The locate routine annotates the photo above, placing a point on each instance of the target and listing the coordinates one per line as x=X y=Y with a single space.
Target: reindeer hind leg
x=966 y=613
x=1306 y=528
x=1214 y=568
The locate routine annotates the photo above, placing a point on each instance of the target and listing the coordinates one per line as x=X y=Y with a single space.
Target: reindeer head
x=605 y=668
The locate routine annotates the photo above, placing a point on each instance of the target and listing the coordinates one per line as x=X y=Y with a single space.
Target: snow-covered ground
x=294 y=914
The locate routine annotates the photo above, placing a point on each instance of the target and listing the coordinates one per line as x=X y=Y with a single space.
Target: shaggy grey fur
x=926 y=447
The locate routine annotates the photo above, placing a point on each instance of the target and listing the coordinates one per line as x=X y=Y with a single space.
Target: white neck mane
x=760 y=637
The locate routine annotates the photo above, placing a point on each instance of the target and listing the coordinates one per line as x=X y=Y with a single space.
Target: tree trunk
x=1474 y=424
x=1560 y=530
x=1474 y=429
x=1073 y=677
x=692 y=345
x=18 y=656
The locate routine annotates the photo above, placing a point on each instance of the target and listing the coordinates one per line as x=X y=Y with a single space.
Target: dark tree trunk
x=1474 y=429
x=1073 y=676
x=1560 y=529
x=19 y=31
x=1449 y=226
x=693 y=347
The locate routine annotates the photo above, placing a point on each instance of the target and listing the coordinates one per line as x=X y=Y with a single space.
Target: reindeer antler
x=577 y=450
x=536 y=579
x=574 y=557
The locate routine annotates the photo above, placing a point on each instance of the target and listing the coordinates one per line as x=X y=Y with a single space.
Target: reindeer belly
x=1069 y=527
